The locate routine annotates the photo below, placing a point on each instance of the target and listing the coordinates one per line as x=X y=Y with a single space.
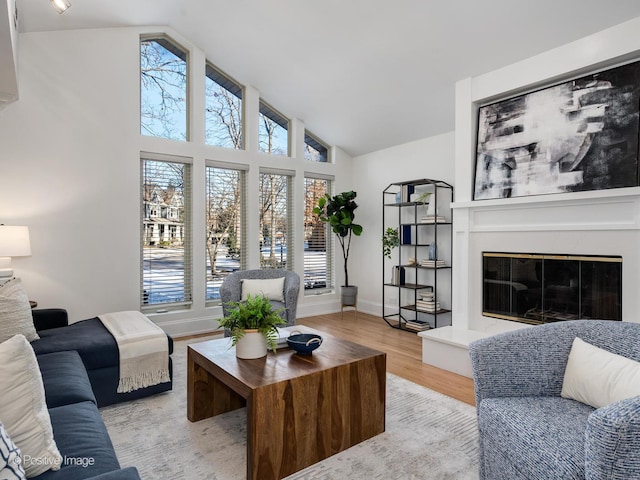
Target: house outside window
x=166 y=237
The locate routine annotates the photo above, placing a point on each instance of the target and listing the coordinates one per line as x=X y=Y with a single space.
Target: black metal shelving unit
x=417 y=233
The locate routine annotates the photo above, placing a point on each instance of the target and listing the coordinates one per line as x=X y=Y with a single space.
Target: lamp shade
x=14 y=241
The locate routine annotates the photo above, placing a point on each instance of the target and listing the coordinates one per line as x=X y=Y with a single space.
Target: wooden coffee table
x=300 y=409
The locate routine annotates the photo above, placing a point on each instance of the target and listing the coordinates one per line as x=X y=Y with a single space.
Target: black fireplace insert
x=542 y=288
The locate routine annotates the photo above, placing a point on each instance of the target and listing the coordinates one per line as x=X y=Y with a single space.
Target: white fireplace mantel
x=615 y=209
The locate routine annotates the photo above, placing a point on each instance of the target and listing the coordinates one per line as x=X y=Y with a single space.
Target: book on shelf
x=433 y=219
x=405 y=236
x=406 y=191
x=417 y=325
x=429 y=307
x=397 y=275
x=432 y=263
x=427 y=304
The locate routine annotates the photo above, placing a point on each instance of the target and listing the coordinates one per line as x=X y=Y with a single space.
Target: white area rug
x=428 y=436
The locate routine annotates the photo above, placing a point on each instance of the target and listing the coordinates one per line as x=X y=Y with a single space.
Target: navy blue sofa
x=97 y=349
x=78 y=429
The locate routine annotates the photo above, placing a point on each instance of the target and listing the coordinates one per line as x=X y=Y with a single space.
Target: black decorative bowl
x=304 y=343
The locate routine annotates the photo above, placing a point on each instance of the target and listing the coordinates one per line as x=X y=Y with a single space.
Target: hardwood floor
x=403 y=349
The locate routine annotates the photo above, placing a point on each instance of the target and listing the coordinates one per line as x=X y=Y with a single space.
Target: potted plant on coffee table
x=339 y=212
x=252 y=326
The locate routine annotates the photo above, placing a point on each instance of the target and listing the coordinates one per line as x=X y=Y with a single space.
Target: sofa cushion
x=23 y=408
x=540 y=437
x=65 y=379
x=83 y=442
x=15 y=312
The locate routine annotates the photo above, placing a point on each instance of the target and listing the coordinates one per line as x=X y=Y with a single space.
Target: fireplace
x=542 y=288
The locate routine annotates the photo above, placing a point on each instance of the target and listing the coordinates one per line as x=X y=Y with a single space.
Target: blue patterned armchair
x=527 y=430
x=231 y=290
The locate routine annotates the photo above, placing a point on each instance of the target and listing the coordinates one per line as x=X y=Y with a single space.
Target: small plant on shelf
x=390 y=240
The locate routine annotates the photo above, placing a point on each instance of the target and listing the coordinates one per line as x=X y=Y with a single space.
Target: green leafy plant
x=390 y=240
x=254 y=313
x=338 y=212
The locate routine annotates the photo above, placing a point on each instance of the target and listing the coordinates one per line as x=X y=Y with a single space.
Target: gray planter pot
x=349 y=295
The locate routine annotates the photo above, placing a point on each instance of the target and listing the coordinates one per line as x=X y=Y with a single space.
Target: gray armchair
x=527 y=430
x=231 y=290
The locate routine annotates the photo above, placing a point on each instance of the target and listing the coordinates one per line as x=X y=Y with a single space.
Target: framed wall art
x=579 y=135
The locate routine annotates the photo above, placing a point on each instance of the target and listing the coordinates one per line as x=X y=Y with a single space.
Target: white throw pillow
x=597 y=377
x=23 y=409
x=15 y=312
x=10 y=458
x=271 y=288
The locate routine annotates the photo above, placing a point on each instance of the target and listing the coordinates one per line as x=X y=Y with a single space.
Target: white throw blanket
x=143 y=347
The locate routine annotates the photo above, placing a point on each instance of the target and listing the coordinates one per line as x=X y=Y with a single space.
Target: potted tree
x=252 y=326
x=338 y=212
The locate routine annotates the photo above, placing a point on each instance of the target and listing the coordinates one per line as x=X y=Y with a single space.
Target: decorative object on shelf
x=433 y=251
x=390 y=240
x=576 y=136
x=432 y=210
x=339 y=212
x=252 y=325
x=304 y=343
x=420 y=197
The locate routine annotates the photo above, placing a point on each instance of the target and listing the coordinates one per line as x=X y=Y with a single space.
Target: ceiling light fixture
x=60 y=5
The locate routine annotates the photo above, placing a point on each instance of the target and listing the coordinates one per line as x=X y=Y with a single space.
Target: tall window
x=163 y=89
x=273 y=131
x=318 y=257
x=225 y=226
x=314 y=149
x=166 y=232
x=223 y=120
x=275 y=213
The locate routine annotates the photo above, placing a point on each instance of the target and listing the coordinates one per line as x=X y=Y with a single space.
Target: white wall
x=428 y=158
x=70 y=161
x=600 y=222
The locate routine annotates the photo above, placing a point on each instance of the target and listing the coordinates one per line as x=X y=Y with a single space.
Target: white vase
x=251 y=345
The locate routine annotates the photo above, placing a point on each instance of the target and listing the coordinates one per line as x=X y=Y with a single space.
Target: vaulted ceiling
x=362 y=74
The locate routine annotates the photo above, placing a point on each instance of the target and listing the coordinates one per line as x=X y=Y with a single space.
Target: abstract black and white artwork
x=576 y=136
